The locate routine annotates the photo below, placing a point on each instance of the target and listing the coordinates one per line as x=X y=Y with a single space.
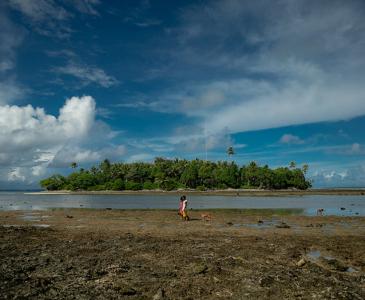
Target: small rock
x=199 y=269
x=69 y=217
x=336 y=265
x=301 y=262
x=343 y=208
x=229 y=223
x=123 y=288
x=266 y=281
x=260 y=222
x=159 y=295
x=282 y=225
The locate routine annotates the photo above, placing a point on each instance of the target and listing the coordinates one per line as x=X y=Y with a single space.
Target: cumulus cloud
x=29 y=127
x=87 y=74
x=32 y=141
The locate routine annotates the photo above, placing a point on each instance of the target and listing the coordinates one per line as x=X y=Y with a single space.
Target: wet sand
x=152 y=254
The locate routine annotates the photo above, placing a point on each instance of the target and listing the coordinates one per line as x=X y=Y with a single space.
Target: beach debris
x=301 y=262
x=343 y=208
x=229 y=223
x=159 y=295
x=282 y=225
x=260 y=222
x=69 y=216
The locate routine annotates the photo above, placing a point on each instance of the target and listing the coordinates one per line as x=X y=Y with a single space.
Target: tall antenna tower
x=205 y=139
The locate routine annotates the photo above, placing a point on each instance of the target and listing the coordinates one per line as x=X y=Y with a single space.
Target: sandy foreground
x=152 y=254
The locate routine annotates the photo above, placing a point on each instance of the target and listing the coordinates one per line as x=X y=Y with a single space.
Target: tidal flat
x=153 y=254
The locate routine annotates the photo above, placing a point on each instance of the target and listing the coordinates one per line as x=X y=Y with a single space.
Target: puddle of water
x=41 y=225
x=256 y=225
x=315 y=255
x=351 y=270
x=30 y=218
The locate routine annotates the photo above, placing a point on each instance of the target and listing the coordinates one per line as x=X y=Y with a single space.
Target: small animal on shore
x=320 y=211
x=206 y=217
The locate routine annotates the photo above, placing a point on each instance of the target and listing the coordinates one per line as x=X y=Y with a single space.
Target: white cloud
x=86 y=6
x=51 y=18
x=32 y=141
x=30 y=138
x=353 y=149
x=68 y=154
x=47 y=17
x=16 y=175
x=284 y=64
x=291 y=139
x=40 y=10
x=10 y=91
x=141 y=157
x=24 y=127
x=352 y=176
x=87 y=74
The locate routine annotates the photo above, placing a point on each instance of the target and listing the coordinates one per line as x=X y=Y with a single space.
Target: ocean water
x=303 y=205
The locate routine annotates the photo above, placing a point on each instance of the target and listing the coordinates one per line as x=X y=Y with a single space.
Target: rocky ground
x=116 y=254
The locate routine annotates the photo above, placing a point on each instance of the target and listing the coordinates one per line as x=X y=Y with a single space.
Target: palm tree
x=73 y=165
x=292 y=165
x=305 y=168
x=230 y=151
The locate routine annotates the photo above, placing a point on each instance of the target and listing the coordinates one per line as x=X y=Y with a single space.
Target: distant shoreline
x=229 y=192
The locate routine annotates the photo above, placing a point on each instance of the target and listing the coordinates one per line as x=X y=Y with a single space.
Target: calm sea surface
x=305 y=205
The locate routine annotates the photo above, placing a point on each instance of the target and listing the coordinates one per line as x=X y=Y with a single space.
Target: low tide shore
x=227 y=192
x=153 y=254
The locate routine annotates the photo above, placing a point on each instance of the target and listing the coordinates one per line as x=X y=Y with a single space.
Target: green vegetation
x=175 y=174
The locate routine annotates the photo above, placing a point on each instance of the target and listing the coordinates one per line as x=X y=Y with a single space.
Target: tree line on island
x=173 y=174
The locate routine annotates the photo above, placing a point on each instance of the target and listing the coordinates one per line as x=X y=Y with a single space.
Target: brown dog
x=206 y=217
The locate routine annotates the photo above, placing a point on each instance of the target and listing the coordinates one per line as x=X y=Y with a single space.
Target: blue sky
x=84 y=80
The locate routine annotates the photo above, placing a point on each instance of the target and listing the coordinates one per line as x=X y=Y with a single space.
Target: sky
x=85 y=80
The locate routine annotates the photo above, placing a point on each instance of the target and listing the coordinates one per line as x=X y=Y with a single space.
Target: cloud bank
x=259 y=65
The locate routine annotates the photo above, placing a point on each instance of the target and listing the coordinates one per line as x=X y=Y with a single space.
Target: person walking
x=184 y=208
